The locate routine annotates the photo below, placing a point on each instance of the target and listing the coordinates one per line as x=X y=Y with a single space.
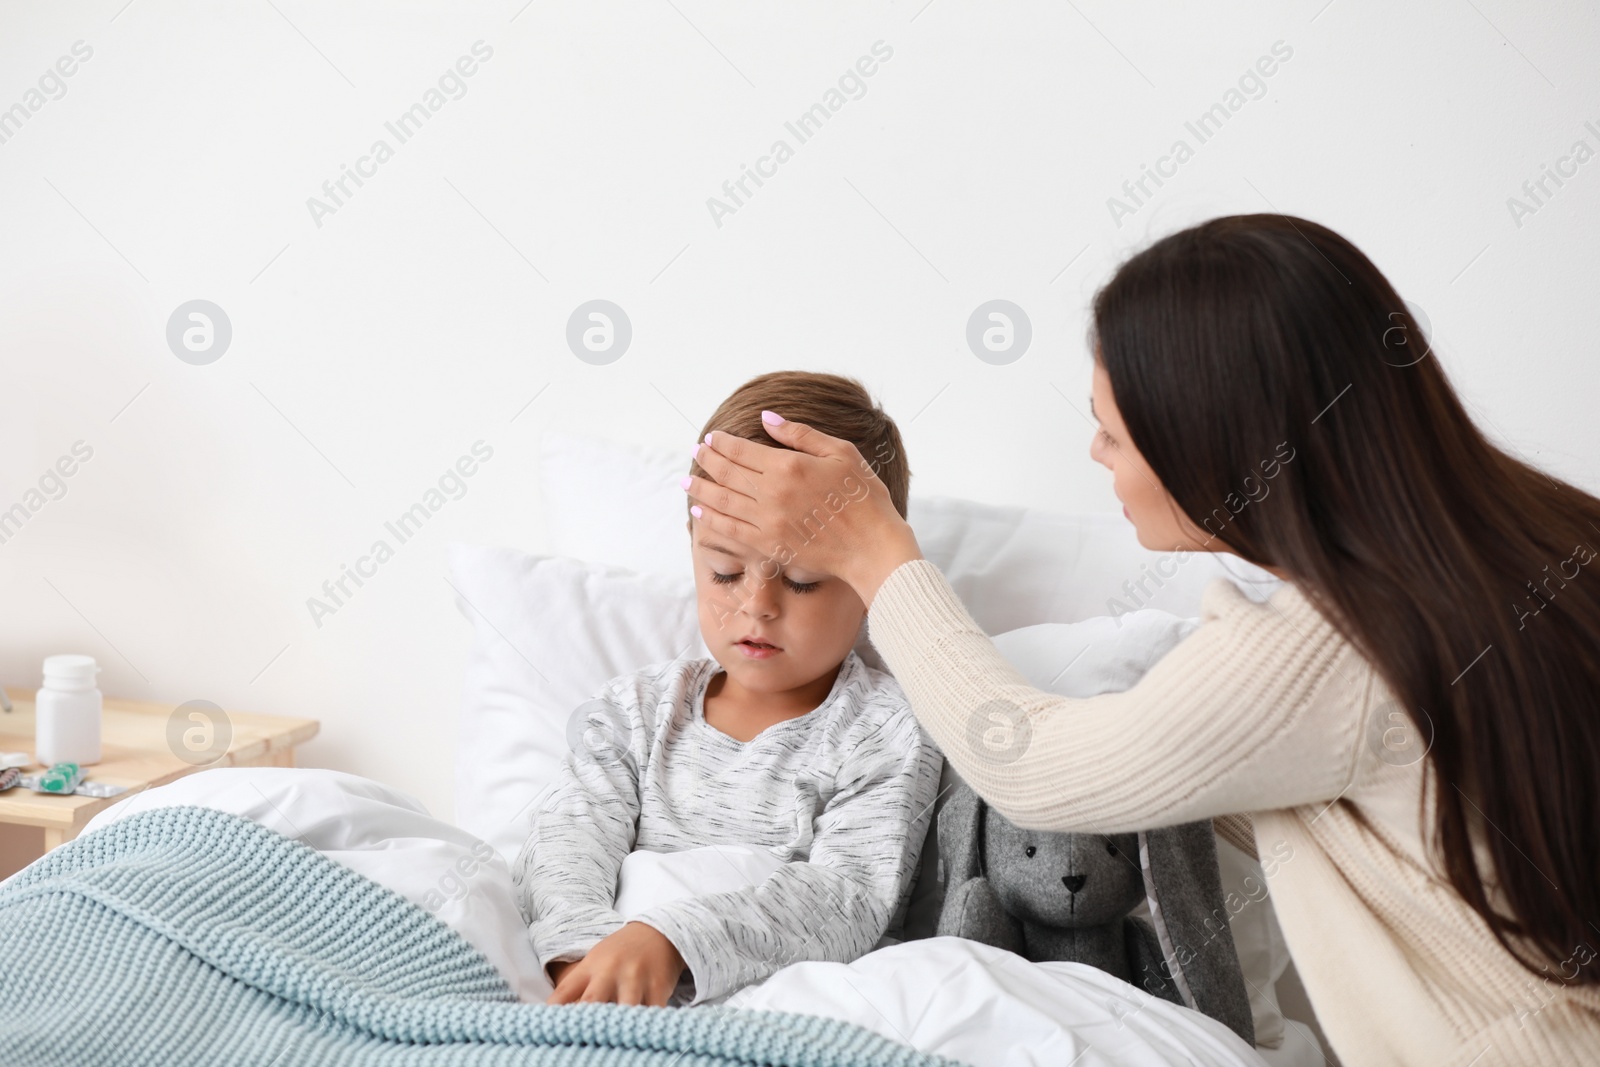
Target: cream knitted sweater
x=1264 y=709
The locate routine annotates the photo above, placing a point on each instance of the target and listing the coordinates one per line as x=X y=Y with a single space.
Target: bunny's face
x=1062 y=880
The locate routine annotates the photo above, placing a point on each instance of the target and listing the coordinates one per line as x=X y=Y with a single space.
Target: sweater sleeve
x=835 y=904
x=565 y=877
x=1260 y=708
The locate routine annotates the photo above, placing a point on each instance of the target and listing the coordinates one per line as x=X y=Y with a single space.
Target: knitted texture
x=1264 y=709
x=187 y=936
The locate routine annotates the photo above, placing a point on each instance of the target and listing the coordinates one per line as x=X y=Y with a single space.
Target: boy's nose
x=762 y=602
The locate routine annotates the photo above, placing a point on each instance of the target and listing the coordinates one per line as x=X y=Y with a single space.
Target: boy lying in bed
x=785 y=741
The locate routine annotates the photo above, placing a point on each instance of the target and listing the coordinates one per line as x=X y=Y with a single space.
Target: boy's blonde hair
x=838 y=406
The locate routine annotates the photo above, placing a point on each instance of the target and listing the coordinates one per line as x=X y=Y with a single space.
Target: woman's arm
x=1260 y=708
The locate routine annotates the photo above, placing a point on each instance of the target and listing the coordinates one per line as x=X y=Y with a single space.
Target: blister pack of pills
x=65 y=779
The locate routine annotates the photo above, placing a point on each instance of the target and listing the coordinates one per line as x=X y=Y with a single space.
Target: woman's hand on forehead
x=728 y=501
x=815 y=505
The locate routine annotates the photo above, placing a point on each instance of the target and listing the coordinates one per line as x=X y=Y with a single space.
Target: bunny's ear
x=1190 y=916
x=961 y=834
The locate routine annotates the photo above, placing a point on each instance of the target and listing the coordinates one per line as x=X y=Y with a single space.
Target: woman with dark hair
x=1412 y=719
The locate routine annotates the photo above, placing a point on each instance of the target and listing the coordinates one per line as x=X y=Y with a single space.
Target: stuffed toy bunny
x=1061 y=896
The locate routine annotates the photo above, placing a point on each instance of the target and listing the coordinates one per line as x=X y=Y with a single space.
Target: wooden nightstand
x=135 y=753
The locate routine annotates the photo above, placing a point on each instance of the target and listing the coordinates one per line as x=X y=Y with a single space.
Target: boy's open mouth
x=752 y=646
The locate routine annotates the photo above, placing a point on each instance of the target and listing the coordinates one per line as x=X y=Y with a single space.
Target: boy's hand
x=635 y=965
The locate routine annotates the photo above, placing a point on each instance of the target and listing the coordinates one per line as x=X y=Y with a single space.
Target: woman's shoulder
x=1282 y=626
x=1279 y=605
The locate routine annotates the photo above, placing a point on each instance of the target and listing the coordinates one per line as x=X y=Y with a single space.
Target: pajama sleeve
x=836 y=904
x=565 y=877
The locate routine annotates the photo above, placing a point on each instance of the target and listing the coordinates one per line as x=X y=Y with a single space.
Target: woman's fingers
x=748 y=455
x=713 y=493
x=727 y=525
x=803 y=438
x=738 y=463
x=727 y=473
x=742 y=454
x=819 y=487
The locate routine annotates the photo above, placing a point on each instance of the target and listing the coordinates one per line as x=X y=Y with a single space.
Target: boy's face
x=812 y=620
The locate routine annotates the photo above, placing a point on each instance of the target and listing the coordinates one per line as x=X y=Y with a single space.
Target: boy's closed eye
x=728 y=578
x=798 y=587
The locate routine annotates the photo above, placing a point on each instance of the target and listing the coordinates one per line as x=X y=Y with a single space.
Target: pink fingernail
x=772 y=418
x=708 y=439
x=694 y=453
x=695 y=511
x=687 y=481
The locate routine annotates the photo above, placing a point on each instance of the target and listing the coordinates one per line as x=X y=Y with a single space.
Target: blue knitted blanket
x=186 y=936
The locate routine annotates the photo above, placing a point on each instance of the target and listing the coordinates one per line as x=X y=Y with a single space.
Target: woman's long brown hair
x=1462 y=573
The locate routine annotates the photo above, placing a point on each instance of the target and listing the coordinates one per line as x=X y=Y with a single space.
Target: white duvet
x=984 y=1005
x=948 y=996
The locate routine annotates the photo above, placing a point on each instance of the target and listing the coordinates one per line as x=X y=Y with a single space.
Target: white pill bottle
x=67 y=713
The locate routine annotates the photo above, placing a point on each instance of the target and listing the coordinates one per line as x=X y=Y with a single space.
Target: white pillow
x=616 y=503
x=548 y=634
x=1011 y=566
x=378 y=832
x=1102 y=655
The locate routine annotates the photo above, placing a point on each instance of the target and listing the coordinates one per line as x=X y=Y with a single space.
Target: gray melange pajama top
x=842 y=795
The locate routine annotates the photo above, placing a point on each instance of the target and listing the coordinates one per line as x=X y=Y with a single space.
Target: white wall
x=371 y=351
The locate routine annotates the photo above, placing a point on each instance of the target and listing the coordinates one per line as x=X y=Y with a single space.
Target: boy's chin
x=773 y=675
x=763 y=675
